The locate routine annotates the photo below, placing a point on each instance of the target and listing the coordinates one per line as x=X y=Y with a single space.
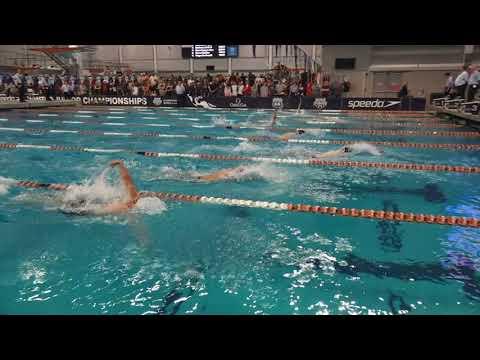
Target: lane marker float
x=316 y=209
x=295 y=161
x=473 y=147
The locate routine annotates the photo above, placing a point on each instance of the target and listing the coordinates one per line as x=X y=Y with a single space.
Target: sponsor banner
x=17 y=99
x=247 y=102
x=371 y=104
x=311 y=103
x=123 y=100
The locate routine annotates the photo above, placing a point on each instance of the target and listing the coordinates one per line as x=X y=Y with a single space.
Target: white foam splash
x=219 y=120
x=246 y=146
x=169 y=172
x=5 y=184
x=259 y=171
x=240 y=173
x=365 y=148
x=316 y=132
x=150 y=206
x=94 y=194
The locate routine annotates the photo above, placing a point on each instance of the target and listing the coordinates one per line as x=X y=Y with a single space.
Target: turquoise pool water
x=186 y=258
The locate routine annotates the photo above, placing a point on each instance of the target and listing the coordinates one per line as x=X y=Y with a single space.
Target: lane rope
x=316 y=209
x=216 y=157
x=278 y=128
x=332 y=130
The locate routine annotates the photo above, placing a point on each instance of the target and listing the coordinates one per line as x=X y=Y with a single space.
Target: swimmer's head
x=347 y=149
x=77 y=203
x=300 y=131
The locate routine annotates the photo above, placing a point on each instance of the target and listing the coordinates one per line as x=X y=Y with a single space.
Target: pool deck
x=37 y=104
x=475 y=119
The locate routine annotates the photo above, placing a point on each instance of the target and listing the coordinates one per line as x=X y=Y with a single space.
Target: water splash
x=92 y=194
x=359 y=148
x=150 y=206
x=241 y=173
x=246 y=146
x=5 y=184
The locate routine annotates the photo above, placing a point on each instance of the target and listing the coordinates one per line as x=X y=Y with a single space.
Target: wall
x=169 y=58
x=429 y=81
x=9 y=53
x=357 y=76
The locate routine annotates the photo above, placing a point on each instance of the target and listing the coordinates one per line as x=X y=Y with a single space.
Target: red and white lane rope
x=278 y=128
x=316 y=209
x=215 y=157
x=332 y=130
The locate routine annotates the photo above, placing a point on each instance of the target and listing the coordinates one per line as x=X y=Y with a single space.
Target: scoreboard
x=210 y=51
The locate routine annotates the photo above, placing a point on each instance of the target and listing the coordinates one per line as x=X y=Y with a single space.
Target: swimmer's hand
x=116 y=162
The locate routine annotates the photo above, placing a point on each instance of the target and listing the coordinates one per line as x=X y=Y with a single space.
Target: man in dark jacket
x=22 y=90
x=403 y=93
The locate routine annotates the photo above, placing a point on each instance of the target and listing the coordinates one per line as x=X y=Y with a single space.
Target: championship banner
x=246 y=102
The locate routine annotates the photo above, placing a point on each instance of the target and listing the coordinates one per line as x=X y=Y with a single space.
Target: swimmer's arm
x=329 y=154
x=126 y=179
x=219 y=174
x=287 y=136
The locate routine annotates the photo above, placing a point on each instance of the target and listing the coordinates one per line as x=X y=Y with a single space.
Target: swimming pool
x=172 y=257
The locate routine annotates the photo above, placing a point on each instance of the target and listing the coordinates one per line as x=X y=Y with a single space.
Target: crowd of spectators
x=278 y=82
x=465 y=85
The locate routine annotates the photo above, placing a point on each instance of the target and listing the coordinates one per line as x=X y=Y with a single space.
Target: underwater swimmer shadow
x=434 y=272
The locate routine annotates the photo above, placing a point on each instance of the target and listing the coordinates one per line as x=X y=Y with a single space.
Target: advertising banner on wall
x=247 y=102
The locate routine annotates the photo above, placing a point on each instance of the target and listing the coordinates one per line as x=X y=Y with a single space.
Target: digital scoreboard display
x=213 y=51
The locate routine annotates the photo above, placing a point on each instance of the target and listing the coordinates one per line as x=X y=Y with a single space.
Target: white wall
x=169 y=58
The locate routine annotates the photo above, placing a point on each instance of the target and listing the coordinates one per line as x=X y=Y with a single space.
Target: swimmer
x=344 y=151
x=292 y=134
x=222 y=174
x=77 y=207
x=274 y=119
x=354 y=149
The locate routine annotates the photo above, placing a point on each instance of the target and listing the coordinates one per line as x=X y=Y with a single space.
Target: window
x=345 y=63
x=387 y=82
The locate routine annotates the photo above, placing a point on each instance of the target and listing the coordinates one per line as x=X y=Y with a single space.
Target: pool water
x=192 y=258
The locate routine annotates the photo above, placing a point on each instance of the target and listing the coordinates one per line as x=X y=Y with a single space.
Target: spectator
x=243 y=78
x=325 y=90
x=241 y=87
x=22 y=88
x=449 y=85
x=294 y=89
x=473 y=82
x=71 y=89
x=403 y=93
x=280 y=87
x=251 y=79
x=64 y=88
x=180 y=92
x=461 y=82
x=135 y=90
x=346 y=85
x=234 y=88
x=227 y=91
x=309 y=88
x=316 y=90
x=247 y=90
x=264 y=90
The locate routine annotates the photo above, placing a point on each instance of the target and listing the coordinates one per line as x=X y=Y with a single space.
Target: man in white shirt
x=180 y=89
x=461 y=82
x=65 y=90
x=135 y=90
x=473 y=82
